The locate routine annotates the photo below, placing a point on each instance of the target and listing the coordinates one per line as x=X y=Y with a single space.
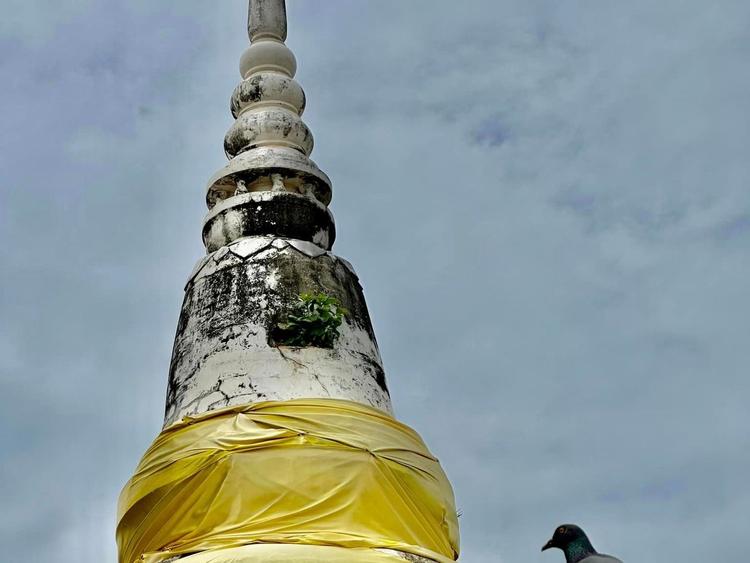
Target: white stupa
x=268 y=235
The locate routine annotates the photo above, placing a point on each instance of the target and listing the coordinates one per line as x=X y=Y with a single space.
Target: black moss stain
x=284 y=214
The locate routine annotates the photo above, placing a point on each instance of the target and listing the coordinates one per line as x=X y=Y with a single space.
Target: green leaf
x=313 y=321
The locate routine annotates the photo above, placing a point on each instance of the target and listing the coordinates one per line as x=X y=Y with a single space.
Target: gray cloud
x=547 y=205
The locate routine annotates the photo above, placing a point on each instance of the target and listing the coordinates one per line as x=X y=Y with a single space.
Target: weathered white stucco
x=224 y=353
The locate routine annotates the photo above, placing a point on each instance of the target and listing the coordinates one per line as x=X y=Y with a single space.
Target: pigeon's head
x=564 y=536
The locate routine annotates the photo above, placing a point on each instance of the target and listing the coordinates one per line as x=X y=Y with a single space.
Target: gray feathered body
x=600 y=558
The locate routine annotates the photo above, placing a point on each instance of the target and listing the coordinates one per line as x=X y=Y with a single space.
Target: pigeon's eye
x=561 y=530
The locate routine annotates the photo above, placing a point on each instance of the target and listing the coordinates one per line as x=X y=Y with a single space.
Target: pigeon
x=576 y=546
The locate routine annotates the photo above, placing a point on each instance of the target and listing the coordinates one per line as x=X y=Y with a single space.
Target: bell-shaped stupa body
x=279 y=442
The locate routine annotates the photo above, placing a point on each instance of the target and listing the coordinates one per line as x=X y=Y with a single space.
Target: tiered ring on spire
x=270 y=186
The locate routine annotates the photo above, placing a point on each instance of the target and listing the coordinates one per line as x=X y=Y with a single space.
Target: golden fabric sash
x=322 y=472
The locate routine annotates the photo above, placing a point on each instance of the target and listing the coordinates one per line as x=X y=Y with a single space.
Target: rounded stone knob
x=268 y=126
x=268 y=54
x=268 y=88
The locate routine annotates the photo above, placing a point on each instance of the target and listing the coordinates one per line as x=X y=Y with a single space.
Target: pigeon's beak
x=548 y=545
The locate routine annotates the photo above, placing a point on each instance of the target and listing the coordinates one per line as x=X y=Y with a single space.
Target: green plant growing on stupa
x=313 y=321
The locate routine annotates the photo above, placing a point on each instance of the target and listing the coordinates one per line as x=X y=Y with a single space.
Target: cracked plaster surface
x=223 y=354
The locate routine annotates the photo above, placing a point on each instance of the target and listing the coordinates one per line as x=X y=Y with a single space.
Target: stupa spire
x=270 y=186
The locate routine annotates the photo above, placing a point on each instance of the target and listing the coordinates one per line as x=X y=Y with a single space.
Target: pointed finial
x=267 y=18
x=266 y=27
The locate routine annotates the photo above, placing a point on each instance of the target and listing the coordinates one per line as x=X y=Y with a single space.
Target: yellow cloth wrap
x=269 y=553
x=322 y=472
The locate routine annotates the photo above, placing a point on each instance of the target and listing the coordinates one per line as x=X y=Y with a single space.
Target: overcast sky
x=548 y=204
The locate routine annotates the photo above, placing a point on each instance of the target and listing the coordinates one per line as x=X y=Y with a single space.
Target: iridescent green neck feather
x=578 y=549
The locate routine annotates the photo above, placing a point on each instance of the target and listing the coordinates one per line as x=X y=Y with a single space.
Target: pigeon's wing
x=600 y=558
